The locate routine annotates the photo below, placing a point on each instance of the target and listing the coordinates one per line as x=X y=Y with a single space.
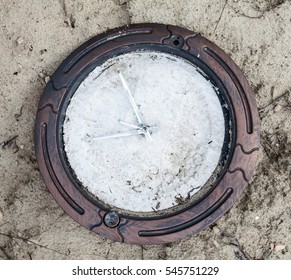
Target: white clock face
x=144 y=131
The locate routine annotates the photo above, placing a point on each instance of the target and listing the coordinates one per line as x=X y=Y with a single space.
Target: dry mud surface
x=37 y=35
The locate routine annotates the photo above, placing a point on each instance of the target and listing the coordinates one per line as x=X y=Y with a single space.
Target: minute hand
x=134 y=106
x=132 y=102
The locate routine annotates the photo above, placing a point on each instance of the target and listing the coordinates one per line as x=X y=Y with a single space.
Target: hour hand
x=129 y=124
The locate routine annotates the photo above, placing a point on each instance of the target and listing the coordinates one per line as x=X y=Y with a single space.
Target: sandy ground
x=35 y=36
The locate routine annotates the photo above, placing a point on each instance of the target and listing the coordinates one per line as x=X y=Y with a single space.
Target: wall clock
x=147 y=134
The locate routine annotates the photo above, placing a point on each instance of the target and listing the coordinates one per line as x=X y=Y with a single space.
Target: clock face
x=144 y=131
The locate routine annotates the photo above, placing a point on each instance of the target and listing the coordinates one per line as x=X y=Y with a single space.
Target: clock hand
x=128 y=133
x=151 y=129
x=128 y=124
x=132 y=102
x=135 y=108
x=121 y=134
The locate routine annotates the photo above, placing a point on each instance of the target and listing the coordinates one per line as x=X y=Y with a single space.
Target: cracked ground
x=37 y=35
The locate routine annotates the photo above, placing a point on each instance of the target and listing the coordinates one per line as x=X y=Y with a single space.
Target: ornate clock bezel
x=111 y=223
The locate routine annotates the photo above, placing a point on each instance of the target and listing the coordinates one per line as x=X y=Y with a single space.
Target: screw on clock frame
x=112 y=219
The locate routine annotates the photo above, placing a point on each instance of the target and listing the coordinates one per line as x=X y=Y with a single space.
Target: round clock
x=147 y=134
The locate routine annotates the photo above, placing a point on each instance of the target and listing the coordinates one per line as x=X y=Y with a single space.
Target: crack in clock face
x=152 y=94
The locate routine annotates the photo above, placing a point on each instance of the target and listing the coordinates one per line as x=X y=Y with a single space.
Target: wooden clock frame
x=240 y=157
